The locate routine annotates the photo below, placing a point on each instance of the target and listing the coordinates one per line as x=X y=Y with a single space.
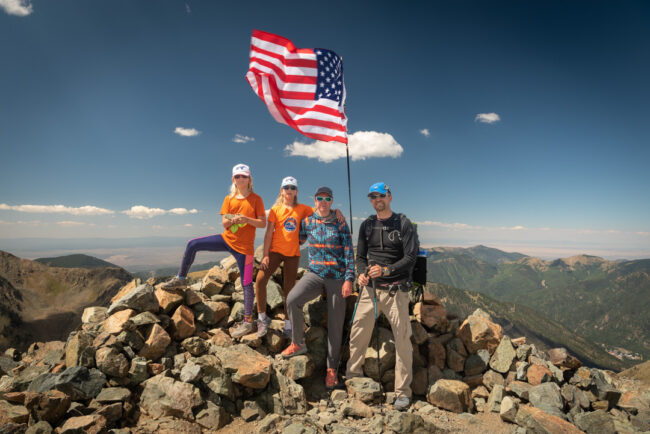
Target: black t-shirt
x=391 y=243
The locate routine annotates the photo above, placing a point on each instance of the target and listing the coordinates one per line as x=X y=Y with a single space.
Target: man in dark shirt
x=386 y=252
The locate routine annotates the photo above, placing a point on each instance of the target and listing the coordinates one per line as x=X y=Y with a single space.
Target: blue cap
x=379 y=187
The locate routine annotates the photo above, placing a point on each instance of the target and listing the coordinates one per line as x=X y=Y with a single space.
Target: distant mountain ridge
x=75 y=261
x=604 y=301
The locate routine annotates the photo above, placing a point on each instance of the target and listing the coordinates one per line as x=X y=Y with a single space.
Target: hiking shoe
x=294 y=350
x=331 y=380
x=263 y=326
x=402 y=403
x=245 y=328
x=175 y=283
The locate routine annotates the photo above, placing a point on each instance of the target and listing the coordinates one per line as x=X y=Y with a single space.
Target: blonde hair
x=280 y=199
x=233 y=187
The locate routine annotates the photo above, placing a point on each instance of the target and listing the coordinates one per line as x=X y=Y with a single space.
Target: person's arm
x=259 y=222
x=409 y=247
x=348 y=250
x=225 y=209
x=303 y=230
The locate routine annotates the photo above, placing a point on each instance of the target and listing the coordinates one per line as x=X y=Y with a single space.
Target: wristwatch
x=385 y=271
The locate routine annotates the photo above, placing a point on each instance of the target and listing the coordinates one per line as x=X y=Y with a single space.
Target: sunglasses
x=377 y=196
x=321 y=198
x=240 y=176
x=290 y=187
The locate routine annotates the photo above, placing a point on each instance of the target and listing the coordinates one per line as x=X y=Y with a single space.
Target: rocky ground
x=164 y=361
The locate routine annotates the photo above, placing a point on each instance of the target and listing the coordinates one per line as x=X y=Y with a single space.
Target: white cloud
x=69 y=223
x=487 y=118
x=425 y=132
x=363 y=144
x=156 y=227
x=240 y=138
x=187 y=132
x=58 y=209
x=517 y=228
x=454 y=226
x=20 y=8
x=142 y=212
x=643 y=234
x=187 y=8
x=188 y=225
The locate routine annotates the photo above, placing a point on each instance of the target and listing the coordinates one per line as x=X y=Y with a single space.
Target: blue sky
x=518 y=125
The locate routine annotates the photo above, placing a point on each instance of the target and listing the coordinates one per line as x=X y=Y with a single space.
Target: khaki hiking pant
x=396 y=309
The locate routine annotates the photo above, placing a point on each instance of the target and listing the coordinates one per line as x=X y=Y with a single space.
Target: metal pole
x=347 y=155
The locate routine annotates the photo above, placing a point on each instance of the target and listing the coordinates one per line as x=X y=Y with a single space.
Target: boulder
x=495 y=398
x=220 y=338
x=431 y=315
x=597 y=422
x=78 y=382
x=138 y=371
x=503 y=356
x=316 y=339
x=111 y=362
x=132 y=339
x=477 y=363
x=520 y=388
x=195 y=346
x=141 y=299
x=211 y=312
x=292 y=395
x=247 y=367
x=420 y=383
x=214 y=281
x=363 y=389
x=119 y=321
x=296 y=368
x=386 y=353
x=214 y=376
x=356 y=408
x=478 y=333
x=10 y=413
x=437 y=354
x=79 y=350
x=561 y=357
x=508 y=409
x=164 y=396
x=455 y=361
x=144 y=319
x=94 y=314
x=212 y=417
x=91 y=424
x=113 y=394
x=537 y=421
x=156 y=343
x=166 y=425
x=450 y=395
x=548 y=398
x=418 y=333
x=183 y=323
x=538 y=374
x=169 y=299
x=490 y=378
x=274 y=298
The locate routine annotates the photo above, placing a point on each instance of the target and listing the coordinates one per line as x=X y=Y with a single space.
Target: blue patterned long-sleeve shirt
x=330 y=247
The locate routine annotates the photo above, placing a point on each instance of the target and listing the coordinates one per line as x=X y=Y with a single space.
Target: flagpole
x=347 y=155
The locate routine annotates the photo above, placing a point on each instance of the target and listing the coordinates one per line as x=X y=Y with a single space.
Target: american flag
x=302 y=87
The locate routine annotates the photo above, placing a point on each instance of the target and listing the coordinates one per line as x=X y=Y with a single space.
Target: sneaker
x=245 y=328
x=175 y=283
x=263 y=326
x=402 y=403
x=331 y=380
x=294 y=350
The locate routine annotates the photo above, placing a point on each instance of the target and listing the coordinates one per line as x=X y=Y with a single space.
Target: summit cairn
x=164 y=361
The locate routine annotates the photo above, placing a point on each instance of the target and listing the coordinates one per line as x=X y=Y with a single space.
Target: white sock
x=262 y=316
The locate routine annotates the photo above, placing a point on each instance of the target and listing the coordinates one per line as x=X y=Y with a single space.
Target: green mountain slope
x=518 y=320
x=606 y=302
x=75 y=261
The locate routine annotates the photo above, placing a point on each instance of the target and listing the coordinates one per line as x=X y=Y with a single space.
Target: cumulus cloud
x=57 y=209
x=19 y=8
x=240 y=138
x=487 y=118
x=142 y=212
x=425 y=132
x=363 y=144
x=187 y=132
x=69 y=223
x=454 y=226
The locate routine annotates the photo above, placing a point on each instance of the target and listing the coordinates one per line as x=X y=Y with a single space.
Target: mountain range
x=604 y=301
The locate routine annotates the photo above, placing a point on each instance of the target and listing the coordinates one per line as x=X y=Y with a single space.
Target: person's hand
x=339 y=216
x=265 y=263
x=374 y=271
x=363 y=280
x=346 y=289
x=239 y=219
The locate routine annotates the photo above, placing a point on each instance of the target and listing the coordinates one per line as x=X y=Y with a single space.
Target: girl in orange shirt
x=281 y=244
x=242 y=211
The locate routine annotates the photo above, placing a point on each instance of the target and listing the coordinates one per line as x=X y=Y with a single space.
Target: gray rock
x=363 y=389
x=41 y=427
x=213 y=416
x=214 y=376
x=316 y=339
x=503 y=356
x=138 y=371
x=164 y=396
x=252 y=411
x=523 y=351
x=596 y=422
x=386 y=353
x=112 y=362
x=144 y=318
x=113 y=394
x=495 y=398
x=490 y=378
x=404 y=422
x=521 y=371
x=269 y=423
x=191 y=372
x=78 y=382
x=603 y=388
x=79 y=350
x=548 y=398
x=274 y=298
x=508 y=409
x=520 y=388
x=292 y=395
x=131 y=339
x=477 y=363
x=195 y=345
x=141 y=299
x=236 y=313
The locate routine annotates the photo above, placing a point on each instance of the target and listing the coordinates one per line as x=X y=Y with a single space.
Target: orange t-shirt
x=244 y=239
x=286 y=239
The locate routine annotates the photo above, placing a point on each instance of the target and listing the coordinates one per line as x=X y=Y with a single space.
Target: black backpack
x=419 y=272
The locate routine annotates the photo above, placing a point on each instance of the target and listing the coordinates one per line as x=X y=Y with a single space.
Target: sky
x=518 y=125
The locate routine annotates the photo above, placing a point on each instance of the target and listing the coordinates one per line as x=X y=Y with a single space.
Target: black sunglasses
x=240 y=176
x=376 y=196
x=290 y=187
x=321 y=198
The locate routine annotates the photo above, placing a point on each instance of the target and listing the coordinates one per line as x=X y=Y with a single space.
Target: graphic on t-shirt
x=290 y=224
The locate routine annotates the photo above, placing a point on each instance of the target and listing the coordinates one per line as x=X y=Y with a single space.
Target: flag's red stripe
x=324 y=137
x=317 y=108
x=284 y=77
x=279 y=40
x=298 y=63
x=320 y=123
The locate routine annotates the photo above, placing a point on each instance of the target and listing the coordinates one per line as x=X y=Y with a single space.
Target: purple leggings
x=216 y=243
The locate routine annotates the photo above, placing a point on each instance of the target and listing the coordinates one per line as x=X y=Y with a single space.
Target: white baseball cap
x=289 y=180
x=241 y=169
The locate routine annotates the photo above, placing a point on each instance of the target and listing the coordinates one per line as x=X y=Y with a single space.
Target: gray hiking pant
x=309 y=287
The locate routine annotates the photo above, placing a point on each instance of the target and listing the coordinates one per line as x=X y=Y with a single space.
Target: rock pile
x=164 y=361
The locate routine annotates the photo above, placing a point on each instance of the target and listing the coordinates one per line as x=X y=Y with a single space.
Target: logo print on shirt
x=290 y=224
